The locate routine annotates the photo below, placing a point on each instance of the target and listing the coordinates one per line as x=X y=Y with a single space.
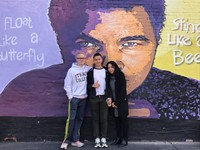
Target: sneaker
x=64 y=145
x=97 y=143
x=77 y=144
x=103 y=143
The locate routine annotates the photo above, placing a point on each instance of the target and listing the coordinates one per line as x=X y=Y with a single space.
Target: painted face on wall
x=126 y=37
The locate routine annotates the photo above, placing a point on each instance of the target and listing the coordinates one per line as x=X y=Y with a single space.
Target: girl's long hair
x=115 y=66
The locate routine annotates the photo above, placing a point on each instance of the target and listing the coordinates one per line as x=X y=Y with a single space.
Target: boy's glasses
x=80 y=58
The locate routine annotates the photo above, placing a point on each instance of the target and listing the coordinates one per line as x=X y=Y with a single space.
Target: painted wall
x=38 y=41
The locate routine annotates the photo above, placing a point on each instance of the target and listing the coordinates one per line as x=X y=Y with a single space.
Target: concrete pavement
x=52 y=145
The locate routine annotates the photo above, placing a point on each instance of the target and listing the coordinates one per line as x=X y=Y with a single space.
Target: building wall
x=38 y=44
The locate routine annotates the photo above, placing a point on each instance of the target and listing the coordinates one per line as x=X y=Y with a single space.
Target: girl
x=119 y=103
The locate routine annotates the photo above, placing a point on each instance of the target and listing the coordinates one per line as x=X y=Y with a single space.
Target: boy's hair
x=80 y=53
x=97 y=54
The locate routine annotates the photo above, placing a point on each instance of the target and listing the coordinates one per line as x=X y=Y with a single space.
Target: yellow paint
x=190 y=12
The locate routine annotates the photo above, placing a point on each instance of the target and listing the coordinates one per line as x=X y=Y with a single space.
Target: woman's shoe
x=123 y=143
x=116 y=141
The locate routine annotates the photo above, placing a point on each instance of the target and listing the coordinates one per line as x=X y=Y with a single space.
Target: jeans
x=99 y=110
x=76 y=111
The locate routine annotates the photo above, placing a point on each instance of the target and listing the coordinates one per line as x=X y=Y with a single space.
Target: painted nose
x=112 y=53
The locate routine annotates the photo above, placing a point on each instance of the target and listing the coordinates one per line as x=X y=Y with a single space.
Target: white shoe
x=64 y=146
x=77 y=144
x=97 y=143
x=103 y=143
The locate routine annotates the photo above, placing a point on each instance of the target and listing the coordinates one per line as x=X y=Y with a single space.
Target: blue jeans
x=76 y=109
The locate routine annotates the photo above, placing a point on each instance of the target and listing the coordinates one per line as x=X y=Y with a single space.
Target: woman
x=119 y=103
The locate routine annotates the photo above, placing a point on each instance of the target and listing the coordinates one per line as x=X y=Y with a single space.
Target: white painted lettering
x=17 y=23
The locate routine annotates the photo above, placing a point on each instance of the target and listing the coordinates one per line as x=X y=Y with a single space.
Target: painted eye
x=86 y=44
x=129 y=44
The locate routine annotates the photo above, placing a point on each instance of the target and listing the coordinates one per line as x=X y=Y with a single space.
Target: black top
x=120 y=93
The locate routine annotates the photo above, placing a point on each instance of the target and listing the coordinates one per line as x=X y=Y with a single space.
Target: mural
x=132 y=33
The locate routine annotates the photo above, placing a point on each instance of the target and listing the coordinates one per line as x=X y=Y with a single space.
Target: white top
x=76 y=81
x=100 y=76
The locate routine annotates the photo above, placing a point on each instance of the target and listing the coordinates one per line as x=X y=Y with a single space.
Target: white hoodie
x=76 y=81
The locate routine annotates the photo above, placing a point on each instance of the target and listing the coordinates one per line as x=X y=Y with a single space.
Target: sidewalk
x=49 y=145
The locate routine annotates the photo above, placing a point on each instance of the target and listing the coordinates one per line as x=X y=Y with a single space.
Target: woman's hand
x=113 y=105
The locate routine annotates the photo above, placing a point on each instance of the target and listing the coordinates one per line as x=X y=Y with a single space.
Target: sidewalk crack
x=173 y=145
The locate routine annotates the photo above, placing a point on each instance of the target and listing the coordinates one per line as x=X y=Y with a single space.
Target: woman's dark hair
x=115 y=66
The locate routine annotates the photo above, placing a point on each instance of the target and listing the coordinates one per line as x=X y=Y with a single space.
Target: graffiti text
x=189 y=58
x=17 y=23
